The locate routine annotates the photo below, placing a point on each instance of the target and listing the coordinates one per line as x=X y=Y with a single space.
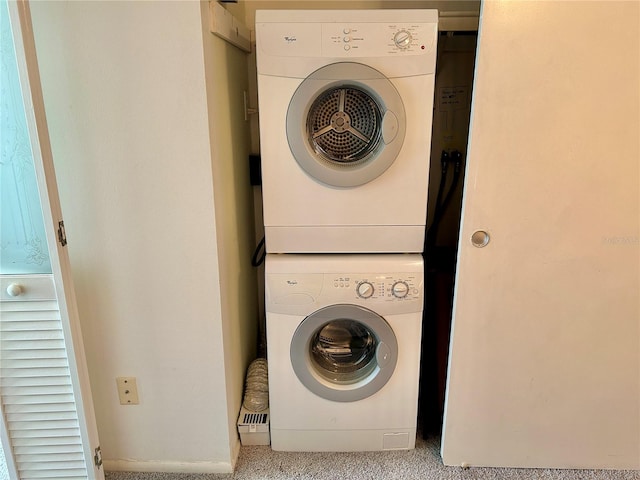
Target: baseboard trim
x=167 y=467
x=235 y=453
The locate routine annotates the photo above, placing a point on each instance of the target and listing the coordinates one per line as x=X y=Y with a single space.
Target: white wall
x=149 y=205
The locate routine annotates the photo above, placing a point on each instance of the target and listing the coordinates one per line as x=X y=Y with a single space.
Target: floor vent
x=255 y=418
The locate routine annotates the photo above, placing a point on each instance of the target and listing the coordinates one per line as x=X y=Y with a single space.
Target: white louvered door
x=38 y=401
x=48 y=425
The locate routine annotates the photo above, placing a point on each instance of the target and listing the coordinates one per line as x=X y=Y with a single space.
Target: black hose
x=432 y=231
x=457 y=158
x=442 y=205
x=259 y=254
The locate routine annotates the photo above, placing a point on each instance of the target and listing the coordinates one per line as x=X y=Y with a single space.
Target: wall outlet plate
x=127 y=390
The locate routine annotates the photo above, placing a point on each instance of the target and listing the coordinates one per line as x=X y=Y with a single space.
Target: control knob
x=365 y=289
x=402 y=39
x=400 y=289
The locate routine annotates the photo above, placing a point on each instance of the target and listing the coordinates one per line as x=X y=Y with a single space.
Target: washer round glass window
x=344 y=124
x=344 y=352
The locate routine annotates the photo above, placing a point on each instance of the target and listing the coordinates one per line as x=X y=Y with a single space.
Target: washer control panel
x=376 y=288
x=291 y=290
x=387 y=288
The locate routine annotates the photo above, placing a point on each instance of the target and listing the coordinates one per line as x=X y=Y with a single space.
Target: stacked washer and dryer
x=345 y=102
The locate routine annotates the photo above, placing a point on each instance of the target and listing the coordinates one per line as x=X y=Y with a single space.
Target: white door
x=48 y=424
x=544 y=366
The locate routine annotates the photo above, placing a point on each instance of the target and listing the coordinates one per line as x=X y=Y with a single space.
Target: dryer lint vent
x=253 y=427
x=255 y=419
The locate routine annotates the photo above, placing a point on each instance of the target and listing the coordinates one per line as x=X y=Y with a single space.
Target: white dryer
x=346 y=105
x=343 y=341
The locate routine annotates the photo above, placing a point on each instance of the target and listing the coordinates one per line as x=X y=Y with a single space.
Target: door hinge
x=62 y=235
x=97 y=457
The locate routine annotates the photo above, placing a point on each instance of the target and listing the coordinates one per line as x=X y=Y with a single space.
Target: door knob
x=480 y=238
x=15 y=290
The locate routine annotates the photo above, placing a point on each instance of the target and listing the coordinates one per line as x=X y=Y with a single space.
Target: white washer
x=343 y=340
x=346 y=105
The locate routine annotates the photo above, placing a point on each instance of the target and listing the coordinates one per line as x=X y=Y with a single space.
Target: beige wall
x=150 y=167
x=226 y=74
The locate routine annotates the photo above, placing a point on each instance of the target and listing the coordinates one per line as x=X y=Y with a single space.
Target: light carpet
x=423 y=463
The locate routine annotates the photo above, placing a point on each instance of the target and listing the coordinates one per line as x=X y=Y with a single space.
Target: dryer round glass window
x=344 y=352
x=345 y=124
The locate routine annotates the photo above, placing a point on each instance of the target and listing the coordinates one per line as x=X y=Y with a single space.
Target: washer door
x=344 y=353
x=345 y=124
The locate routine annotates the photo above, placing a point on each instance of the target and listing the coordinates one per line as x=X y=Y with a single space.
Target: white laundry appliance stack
x=346 y=105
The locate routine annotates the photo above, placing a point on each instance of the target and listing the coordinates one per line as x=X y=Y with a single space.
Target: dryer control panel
x=399 y=43
x=376 y=40
x=348 y=39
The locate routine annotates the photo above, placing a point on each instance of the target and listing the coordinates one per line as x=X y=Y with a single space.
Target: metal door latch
x=62 y=235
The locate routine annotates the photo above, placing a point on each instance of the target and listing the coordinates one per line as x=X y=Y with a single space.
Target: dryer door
x=345 y=124
x=344 y=353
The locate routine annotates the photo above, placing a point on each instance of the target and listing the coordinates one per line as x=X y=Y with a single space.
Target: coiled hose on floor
x=256 y=392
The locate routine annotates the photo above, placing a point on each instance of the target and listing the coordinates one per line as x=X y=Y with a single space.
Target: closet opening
x=451 y=114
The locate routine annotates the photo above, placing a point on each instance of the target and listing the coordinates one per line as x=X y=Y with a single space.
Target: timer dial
x=400 y=289
x=402 y=39
x=365 y=289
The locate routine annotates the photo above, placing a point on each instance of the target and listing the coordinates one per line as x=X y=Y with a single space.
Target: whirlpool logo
x=290 y=39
